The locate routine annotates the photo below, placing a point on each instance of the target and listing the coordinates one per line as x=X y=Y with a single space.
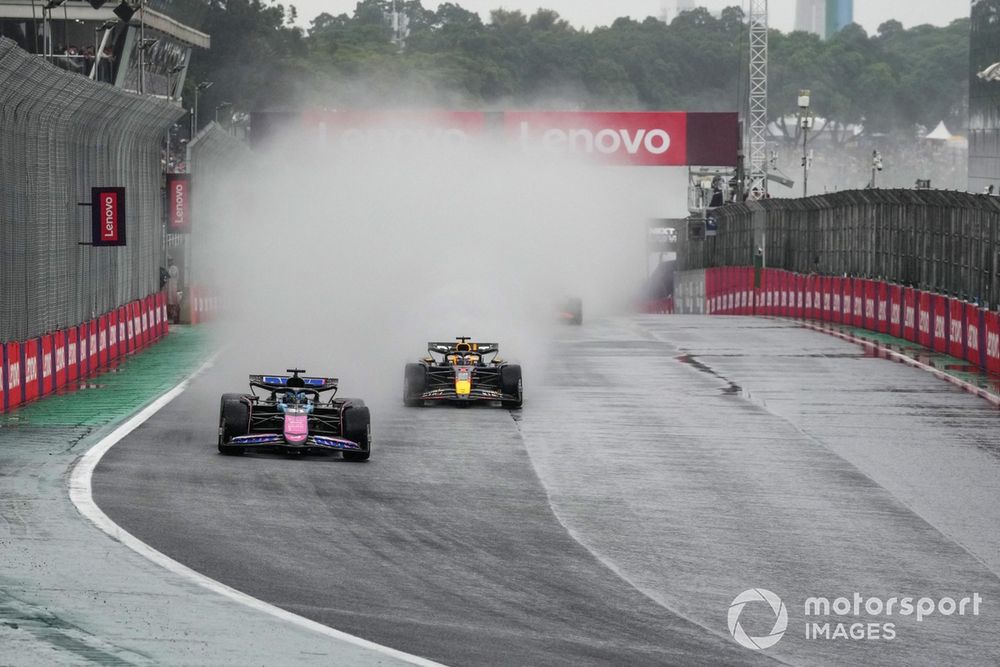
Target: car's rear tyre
x=414 y=385
x=234 y=420
x=512 y=385
x=358 y=428
x=356 y=402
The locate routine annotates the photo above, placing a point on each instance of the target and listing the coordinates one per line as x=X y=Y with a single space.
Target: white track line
x=80 y=493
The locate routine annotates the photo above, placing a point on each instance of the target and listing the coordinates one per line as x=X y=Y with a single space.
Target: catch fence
x=60 y=135
x=939 y=241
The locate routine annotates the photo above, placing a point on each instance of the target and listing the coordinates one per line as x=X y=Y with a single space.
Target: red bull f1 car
x=293 y=417
x=462 y=373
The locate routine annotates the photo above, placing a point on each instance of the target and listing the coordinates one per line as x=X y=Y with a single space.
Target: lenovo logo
x=651 y=139
x=109 y=216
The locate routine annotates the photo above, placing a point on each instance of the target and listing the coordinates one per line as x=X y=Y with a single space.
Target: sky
x=588 y=13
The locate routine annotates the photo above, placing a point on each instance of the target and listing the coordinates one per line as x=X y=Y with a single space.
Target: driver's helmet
x=295 y=397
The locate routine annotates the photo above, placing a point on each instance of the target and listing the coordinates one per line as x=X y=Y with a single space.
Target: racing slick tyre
x=358 y=428
x=511 y=385
x=234 y=420
x=414 y=384
x=356 y=402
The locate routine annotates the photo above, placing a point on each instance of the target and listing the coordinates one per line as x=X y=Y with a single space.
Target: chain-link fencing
x=941 y=241
x=60 y=135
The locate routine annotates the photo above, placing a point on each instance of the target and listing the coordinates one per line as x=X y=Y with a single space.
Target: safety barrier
x=45 y=364
x=204 y=306
x=659 y=306
x=943 y=324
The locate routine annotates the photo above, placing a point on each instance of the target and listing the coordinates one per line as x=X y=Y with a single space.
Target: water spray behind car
x=345 y=260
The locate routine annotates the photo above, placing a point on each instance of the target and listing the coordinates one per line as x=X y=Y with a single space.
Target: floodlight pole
x=805 y=122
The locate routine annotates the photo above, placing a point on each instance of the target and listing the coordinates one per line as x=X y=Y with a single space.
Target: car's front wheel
x=358 y=428
x=511 y=385
x=234 y=420
x=414 y=385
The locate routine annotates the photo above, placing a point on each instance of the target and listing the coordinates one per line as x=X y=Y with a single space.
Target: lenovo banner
x=179 y=203
x=646 y=139
x=108 y=216
x=652 y=139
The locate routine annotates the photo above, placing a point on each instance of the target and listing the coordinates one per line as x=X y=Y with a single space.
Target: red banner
x=896 y=311
x=82 y=350
x=59 y=345
x=46 y=384
x=745 y=287
x=179 y=203
x=108 y=216
x=956 y=329
x=882 y=308
x=924 y=335
x=867 y=303
x=975 y=336
x=72 y=354
x=124 y=327
x=130 y=329
x=784 y=290
x=847 y=301
x=774 y=287
x=15 y=395
x=3 y=378
x=102 y=341
x=939 y=322
x=31 y=369
x=910 y=314
x=112 y=335
x=92 y=356
x=836 y=299
x=992 y=322
x=144 y=319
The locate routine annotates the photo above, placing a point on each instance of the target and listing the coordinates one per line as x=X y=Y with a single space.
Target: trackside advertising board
x=107 y=216
x=644 y=139
x=179 y=203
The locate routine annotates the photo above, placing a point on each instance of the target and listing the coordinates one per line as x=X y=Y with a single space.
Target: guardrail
x=43 y=365
x=938 y=241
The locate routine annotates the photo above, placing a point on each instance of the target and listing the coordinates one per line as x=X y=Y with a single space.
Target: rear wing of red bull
x=463 y=347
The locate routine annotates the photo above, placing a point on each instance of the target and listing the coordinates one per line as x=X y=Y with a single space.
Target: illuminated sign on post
x=179 y=203
x=108 y=216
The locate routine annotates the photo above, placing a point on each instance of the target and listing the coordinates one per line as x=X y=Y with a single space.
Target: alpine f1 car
x=292 y=417
x=463 y=373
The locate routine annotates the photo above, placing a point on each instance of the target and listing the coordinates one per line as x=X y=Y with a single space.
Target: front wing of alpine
x=277 y=440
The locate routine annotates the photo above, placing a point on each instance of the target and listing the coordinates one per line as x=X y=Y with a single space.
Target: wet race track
x=660 y=467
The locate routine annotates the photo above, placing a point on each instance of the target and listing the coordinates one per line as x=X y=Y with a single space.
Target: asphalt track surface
x=661 y=466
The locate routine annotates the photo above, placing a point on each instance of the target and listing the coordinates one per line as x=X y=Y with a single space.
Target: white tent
x=940 y=133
